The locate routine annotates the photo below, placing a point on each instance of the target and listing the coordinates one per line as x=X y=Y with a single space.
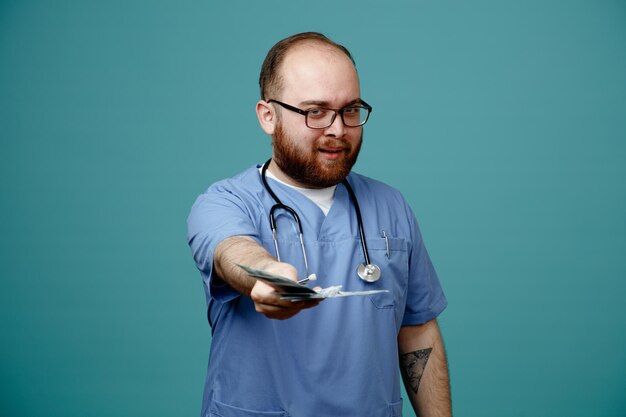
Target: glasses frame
x=305 y=113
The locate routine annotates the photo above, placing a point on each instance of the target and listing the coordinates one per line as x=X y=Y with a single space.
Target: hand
x=268 y=303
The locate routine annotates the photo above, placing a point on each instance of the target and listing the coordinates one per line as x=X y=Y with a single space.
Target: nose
x=337 y=129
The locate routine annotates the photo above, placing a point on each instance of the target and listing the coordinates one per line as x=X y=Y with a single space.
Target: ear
x=267 y=116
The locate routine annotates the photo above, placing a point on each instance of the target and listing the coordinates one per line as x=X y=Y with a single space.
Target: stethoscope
x=367 y=271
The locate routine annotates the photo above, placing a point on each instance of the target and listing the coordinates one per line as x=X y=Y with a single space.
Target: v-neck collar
x=320 y=196
x=322 y=226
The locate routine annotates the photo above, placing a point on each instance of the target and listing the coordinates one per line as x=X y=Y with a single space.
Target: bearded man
x=305 y=212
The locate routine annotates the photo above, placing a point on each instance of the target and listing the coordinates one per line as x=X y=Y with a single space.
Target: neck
x=278 y=173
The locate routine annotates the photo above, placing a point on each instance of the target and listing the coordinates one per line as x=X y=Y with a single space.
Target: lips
x=332 y=149
x=332 y=153
x=334 y=146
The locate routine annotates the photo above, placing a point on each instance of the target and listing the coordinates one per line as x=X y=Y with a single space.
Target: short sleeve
x=217 y=214
x=425 y=297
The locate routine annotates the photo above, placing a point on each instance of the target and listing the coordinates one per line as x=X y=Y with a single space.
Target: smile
x=332 y=153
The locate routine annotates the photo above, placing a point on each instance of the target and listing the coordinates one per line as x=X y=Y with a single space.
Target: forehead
x=314 y=71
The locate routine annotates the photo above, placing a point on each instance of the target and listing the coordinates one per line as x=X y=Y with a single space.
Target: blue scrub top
x=341 y=357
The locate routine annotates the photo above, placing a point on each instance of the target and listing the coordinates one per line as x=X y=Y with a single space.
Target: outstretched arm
x=424 y=369
x=245 y=251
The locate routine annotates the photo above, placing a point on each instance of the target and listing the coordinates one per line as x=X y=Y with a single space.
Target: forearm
x=245 y=251
x=240 y=250
x=424 y=370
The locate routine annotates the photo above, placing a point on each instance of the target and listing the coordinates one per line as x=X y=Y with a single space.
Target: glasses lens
x=322 y=118
x=319 y=118
x=355 y=116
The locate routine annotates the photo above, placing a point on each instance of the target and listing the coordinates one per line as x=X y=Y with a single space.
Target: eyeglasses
x=321 y=118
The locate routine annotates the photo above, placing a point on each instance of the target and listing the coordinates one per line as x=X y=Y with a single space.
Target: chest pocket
x=391 y=256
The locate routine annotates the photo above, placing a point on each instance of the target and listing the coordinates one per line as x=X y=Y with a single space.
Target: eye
x=351 y=111
x=317 y=113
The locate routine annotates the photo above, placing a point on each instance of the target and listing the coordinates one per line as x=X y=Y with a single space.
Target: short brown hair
x=270 y=80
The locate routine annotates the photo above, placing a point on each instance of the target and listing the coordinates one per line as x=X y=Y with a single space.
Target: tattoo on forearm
x=412 y=366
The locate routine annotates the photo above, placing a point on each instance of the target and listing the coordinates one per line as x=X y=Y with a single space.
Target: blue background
x=503 y=123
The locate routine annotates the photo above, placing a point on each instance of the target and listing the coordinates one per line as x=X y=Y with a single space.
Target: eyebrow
x=326 y=103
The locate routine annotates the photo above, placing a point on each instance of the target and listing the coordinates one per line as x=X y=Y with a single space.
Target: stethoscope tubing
x=359 y=220
x=279 y=205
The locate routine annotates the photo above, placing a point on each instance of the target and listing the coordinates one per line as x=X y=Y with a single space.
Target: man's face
x=316 y=76
x=318 y=165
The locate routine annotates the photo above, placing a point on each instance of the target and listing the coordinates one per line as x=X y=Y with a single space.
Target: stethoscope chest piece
x=369 y=272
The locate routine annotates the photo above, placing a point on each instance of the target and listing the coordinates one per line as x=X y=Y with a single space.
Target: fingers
x=280 y=312
x=267 y=302
x=283 y=269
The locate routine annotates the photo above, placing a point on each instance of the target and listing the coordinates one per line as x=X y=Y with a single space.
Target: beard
x=303 y=165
